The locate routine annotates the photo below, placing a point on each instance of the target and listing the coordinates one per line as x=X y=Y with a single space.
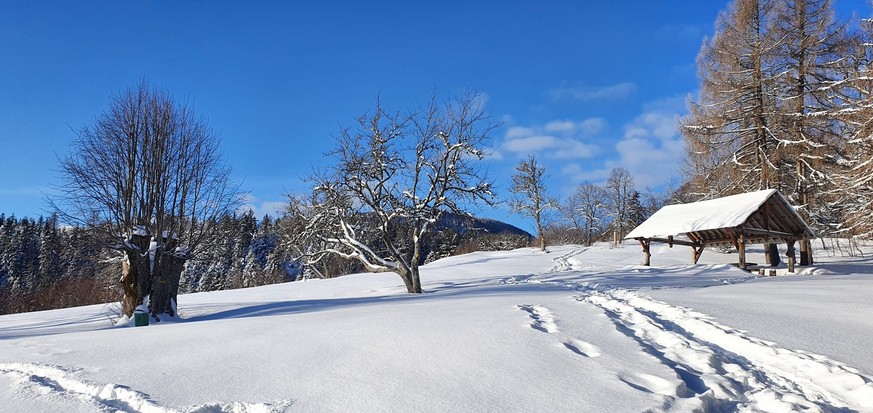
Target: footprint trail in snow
x=544 y=321
x=113 y=397
x=728 y=369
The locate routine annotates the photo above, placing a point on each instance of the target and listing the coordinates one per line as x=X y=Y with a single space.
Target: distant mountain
x=463 y=224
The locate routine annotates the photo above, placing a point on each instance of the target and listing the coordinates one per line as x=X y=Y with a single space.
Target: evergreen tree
x=49 y=250
x=636 y=213
x=6 y=231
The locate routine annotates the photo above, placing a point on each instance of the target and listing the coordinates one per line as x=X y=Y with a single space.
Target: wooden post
x=741 y=248
x=646 y=243
x=790 y=255
x=696 y=252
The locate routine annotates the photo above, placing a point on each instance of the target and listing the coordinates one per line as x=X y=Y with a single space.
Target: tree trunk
x=771 y=253
x=413 y=279
x=805 y=252
x=416 y=280
x=131 y=297
x=165 y=285
x=135 y=278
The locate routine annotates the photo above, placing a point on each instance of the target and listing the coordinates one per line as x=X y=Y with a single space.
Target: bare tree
x=620 y=189
x=730 y=131
x=148 y=175
x=394 y=178
x=532 y=200
x=811 y=60
x=853 y=195
x=586 y=209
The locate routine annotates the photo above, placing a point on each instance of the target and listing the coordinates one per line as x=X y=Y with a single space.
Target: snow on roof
x=729 y=211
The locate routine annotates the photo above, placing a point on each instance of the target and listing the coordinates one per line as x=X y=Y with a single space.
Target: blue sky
x=585 y=85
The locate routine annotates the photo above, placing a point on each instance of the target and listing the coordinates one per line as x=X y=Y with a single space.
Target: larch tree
x=729 y=131
x=853 y=194
x=147 y=173
x=395 y=175
x=810 y=56
x=775 y=108
x=531 y=195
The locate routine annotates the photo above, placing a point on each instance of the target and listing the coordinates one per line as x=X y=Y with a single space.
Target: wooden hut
x=761 y=217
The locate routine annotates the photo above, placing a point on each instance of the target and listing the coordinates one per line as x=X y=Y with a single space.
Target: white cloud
x=585 y=94
x=560 y=126
x=586 y=127
x=261 y=208
x=516 y=132
x=557 y=139
x=652 y=149
x=481 y=101
x=493 y=154
x=531 y=144
x=571 y=149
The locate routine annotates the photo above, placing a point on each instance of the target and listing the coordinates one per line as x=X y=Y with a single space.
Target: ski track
x=728 y=370
x=113 y=397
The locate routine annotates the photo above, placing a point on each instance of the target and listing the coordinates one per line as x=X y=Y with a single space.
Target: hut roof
x=762 y=217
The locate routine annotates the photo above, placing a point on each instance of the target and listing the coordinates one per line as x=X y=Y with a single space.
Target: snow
x=141 y=230
x=726 y=212
x=576 y=329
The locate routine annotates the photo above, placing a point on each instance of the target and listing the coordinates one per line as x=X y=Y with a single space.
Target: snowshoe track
x=113 y=397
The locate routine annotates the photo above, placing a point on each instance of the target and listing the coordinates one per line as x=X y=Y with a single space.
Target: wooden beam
x=697 y=252
x=646 y=243
x=669 y=241
x=775 y=234
x=790 y=254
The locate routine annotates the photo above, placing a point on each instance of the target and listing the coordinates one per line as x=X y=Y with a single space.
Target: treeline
x=45 y=266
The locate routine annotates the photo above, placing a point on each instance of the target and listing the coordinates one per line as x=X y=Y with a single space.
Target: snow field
x=576 y=329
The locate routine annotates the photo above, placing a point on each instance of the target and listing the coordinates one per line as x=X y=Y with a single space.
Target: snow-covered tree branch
x=394 y=177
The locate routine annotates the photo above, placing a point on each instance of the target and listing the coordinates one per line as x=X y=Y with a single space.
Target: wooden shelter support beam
x=671 y=241
x=741 y=248
x=790 y=255
x=774 y=234
x=696 y=252
x=646 y=243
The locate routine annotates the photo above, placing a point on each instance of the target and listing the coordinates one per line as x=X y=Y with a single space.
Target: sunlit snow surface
x=576 y=329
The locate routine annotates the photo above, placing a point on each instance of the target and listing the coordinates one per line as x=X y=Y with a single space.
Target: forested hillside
x=44 y=265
